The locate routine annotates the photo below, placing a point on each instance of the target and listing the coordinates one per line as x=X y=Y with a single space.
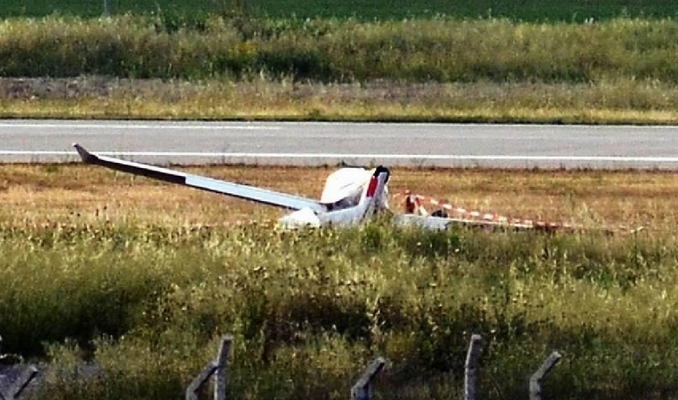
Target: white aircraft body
x=351 y=196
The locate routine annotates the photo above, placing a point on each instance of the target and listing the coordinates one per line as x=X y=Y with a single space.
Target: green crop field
x=529 y=10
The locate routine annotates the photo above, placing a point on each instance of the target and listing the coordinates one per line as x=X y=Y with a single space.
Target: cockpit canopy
x=345 y=186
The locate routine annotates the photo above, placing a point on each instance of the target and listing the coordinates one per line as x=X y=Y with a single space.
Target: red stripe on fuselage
x=373 y=186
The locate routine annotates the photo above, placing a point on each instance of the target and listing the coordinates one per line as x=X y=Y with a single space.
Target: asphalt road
x=543 y=146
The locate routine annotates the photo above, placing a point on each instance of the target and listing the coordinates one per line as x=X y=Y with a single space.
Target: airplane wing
x=245 y=192
x=442 y=223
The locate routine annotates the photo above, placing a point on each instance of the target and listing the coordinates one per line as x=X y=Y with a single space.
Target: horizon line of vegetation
x=333 y=50
x=570 y=11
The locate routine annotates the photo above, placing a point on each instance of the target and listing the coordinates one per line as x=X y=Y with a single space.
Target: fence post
x=535 y=380
x=23 y=381
x=221 y=375
x=363 y=390
x=471 y=368
x=200 y=381
x=107 y=11
x=20 y=384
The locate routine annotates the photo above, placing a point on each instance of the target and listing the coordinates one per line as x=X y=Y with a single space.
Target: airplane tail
x=375 y=191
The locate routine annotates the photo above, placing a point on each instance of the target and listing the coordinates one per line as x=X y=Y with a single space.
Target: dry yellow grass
x=79 y=193
x=615 y=102
x=315 y=110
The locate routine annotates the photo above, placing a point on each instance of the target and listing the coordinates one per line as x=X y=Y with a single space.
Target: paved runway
x=543 y=146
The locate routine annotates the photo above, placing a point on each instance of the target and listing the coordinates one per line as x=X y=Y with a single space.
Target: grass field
x=618 y=102
x=530 y=10
x=73 y=194
x=188 y=61
x=144 y=278
x=619 y=71
x=442 y=50
x=622 y=71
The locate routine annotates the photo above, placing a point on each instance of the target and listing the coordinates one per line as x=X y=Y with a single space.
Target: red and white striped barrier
x=413 y=205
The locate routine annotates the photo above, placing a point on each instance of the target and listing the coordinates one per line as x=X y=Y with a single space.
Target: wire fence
x=364 y=388
x=215 y=373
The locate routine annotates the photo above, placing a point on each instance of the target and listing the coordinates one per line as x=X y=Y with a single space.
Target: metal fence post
x=535 y=380
x=216 y=368
x=200 y=381
x=363 y=390
x=221 y=375
x=471 y=368
x=22 y=382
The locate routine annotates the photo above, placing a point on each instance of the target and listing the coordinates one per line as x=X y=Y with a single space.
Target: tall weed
x=333 y=50
x=308 y=309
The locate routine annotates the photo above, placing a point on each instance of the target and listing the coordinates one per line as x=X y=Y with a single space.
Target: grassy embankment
x=619 y=71
x=119 y=265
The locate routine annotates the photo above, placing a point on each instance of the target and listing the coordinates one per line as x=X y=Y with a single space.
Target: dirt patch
x=47 y=88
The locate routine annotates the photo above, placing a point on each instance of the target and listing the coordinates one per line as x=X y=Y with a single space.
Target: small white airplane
x=351 y=196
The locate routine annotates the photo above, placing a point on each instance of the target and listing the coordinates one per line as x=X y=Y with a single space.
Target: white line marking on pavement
x=350 y=156
x=39 y=125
